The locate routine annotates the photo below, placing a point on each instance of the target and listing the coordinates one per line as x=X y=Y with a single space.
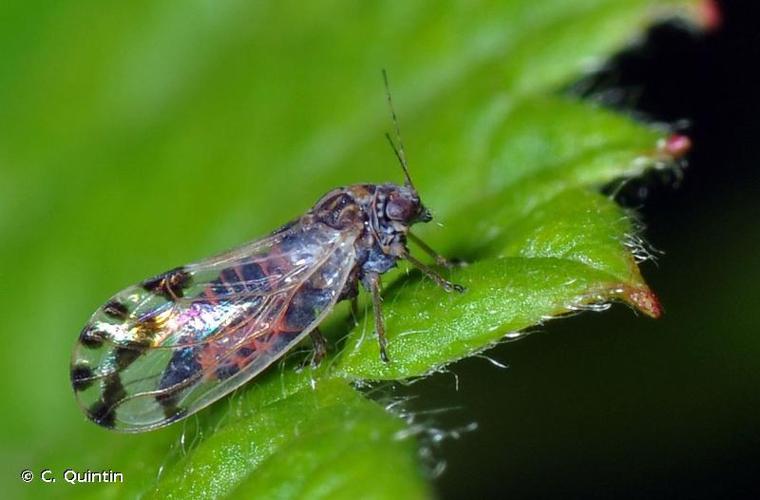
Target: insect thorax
x=381 y=215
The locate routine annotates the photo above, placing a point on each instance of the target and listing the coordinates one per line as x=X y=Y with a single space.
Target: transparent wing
x=161 y=350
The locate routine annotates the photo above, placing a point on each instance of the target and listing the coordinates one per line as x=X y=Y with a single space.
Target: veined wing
x=159 y=351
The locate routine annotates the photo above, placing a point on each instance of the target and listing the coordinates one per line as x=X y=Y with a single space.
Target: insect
x=163 y=349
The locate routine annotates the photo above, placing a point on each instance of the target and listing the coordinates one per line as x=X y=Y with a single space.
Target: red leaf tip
x=676 y=146
x=710 y=14
x=644 y=300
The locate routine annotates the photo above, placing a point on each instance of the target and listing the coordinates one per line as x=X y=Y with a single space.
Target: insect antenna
x=399 y=151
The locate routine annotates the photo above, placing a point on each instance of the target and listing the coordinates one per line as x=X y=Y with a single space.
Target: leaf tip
x=644 y=300
x=675 y=146
x=710 y=15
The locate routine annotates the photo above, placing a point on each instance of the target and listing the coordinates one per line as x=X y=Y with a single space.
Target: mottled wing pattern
x=161 y=350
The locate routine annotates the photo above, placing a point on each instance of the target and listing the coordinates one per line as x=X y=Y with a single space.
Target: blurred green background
x=132 y=137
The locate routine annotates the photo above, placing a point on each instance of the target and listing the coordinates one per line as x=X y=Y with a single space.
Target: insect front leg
x=439 y=259
x=432 y=274
x=373 y=281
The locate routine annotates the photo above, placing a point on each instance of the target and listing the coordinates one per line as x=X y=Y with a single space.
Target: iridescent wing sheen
x=161 y=350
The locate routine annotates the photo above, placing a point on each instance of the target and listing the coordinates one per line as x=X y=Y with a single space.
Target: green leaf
x=155 y=133
x=564 y=255
x=325 y=441
x=351 y=449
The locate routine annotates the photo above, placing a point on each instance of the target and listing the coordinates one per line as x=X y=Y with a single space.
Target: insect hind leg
x=320 y=347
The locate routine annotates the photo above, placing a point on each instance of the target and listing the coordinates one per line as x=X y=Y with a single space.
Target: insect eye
x=401 y=209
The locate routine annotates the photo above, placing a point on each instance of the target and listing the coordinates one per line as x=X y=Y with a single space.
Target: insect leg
x=355 y=311
x=439 y=259
x=377 y=307
x=320 y=346
x=440 y=280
